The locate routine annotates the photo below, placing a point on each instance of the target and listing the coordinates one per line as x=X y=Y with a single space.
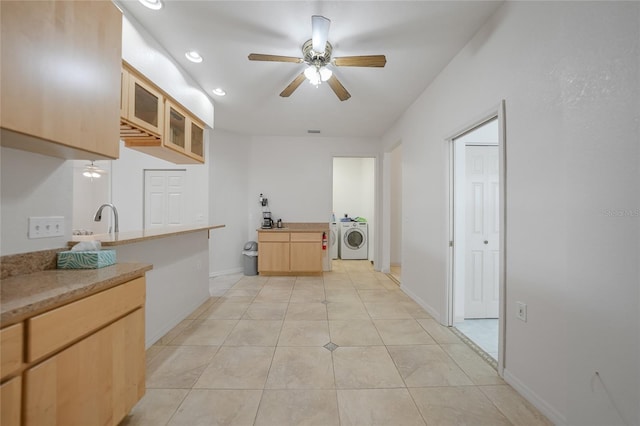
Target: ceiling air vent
x=313 y=131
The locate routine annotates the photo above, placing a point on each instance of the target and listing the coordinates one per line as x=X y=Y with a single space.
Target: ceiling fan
x=316 y=53
x=92 y=171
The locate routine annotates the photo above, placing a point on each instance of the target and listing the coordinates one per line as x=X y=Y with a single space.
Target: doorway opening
x=354 y=206
x=477 y=237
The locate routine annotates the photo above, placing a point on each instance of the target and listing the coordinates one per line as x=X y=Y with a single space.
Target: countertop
x=24 y=296
x=299 y=227
x=119 y=238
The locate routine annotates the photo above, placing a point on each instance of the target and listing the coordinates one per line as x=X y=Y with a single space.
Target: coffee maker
x=267 y=222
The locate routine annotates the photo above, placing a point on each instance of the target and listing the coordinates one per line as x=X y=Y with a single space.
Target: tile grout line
x=333 y=366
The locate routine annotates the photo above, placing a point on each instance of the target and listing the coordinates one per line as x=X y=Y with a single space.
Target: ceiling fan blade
x=319 y=32
x=338 y=88
x=361 y=61
x=292 y=86
x=274 y=58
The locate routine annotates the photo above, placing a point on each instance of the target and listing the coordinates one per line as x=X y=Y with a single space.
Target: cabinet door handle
x=486 y=242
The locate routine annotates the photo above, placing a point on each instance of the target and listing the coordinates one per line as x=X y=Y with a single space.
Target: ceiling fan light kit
x=92 y=171
x=317 y=75
x=316 y=53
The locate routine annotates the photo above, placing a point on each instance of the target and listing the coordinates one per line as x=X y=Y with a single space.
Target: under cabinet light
x=219 y=92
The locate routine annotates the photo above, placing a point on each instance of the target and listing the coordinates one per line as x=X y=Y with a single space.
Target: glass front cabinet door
x=175 y=135
x=183 y=133
x=145 y=105
x=196 y=149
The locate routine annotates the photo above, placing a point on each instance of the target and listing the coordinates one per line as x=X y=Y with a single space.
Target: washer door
x=354 y=239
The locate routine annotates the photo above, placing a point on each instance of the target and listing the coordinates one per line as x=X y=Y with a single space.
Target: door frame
x=498 y=112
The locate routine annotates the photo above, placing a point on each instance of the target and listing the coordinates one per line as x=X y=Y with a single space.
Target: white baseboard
x=543 y=406
x=430 y=309
x=226 y=272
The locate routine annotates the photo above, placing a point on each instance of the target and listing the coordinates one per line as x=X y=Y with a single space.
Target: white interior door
x=164 y=198
x=482 y=290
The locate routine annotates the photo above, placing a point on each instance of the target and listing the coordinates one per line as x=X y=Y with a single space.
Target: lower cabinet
x=306 y=255
x=95 y=381
x=10 y=402
x=84 y=362
x=289 y=253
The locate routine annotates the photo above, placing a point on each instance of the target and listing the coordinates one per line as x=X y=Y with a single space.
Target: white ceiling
x=419 y=38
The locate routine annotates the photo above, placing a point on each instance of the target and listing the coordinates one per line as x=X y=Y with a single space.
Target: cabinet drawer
x=59 y=327
x=10 y=349
x=306 y=237
x=273 y=236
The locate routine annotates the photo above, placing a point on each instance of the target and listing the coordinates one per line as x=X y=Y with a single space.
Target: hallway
x=347 y=348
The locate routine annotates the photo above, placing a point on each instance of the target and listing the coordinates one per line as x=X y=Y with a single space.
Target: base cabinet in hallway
x=289 y=253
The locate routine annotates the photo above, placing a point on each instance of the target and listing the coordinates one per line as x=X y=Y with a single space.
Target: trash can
x=250 y=257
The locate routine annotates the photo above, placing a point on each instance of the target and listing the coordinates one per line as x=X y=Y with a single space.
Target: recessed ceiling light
x=152 y=4
x=219 y=92
x=193 y=56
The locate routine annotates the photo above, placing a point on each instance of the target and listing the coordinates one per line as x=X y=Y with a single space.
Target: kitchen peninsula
x=179 y=280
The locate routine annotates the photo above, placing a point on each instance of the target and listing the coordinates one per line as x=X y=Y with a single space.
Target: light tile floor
x=347 y=348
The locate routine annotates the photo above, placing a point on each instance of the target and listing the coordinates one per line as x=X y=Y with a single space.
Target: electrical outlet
x=521 y=311
x=46 y=227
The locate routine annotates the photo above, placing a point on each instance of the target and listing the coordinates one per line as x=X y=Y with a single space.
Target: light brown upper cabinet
x=60 y=76
x=183 y=133
x=153 y=123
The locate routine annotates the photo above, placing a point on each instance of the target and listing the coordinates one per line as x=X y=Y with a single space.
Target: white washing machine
x=354 y=240
x=334 y=240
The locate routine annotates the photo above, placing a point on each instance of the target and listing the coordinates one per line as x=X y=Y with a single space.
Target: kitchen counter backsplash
x=26 y=263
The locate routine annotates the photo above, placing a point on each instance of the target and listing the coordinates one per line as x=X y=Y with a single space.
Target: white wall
x=88 y=195
x=229 y=179
x=569 y=72
x=396 y=206
x=127 y=191
x=295 y=174
x=33 y=185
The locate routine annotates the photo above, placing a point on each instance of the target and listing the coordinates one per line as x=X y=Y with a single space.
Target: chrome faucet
x=98 y=216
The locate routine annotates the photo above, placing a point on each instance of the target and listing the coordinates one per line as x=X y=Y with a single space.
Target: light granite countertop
x=299 y=227
x=24 y=296
x=119 y=238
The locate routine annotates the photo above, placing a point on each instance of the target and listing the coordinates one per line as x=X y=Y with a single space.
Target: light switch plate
x=521 y=311
x=46 y=227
